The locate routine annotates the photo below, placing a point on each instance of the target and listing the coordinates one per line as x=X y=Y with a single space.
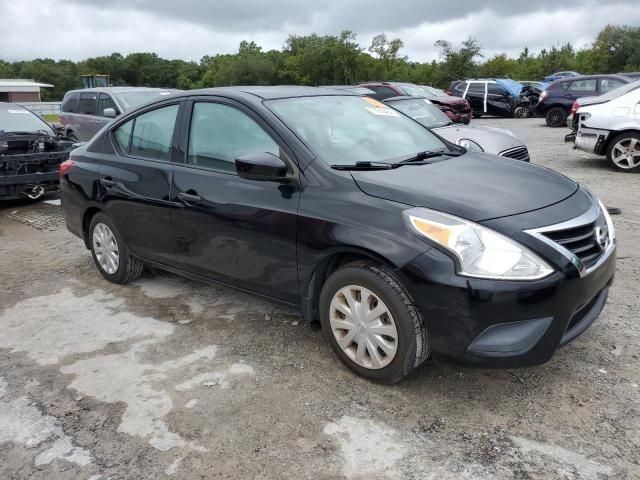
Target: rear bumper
x=591 y=140
x=500 y=324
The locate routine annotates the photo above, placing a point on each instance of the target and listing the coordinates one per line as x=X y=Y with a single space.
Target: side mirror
x=262 y=166
x=109 y=112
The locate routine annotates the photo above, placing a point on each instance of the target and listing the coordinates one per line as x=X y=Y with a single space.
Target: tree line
x=334 y=59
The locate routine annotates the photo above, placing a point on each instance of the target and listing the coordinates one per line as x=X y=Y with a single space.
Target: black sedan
x=402 y=245
x=31 y=151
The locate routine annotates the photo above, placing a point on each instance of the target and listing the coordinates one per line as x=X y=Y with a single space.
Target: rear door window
x=153 y=132
x=583 y=85
x=122 y=135
x=88 y=103
x=220 y=133
x=607 y=84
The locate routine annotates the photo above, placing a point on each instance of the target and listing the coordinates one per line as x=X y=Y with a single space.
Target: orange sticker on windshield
x=374 y=102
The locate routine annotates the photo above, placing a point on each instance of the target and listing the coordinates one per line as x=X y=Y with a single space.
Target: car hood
x=492 y=140
x=474 y=186
x=447 y=100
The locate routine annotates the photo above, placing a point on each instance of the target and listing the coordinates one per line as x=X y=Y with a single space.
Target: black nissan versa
x=404 y=246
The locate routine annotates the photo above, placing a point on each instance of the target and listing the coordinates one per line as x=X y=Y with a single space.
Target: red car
x=457 y=109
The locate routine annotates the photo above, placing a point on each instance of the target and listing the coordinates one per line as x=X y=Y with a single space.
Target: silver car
x=84 y=112
x=482 y=139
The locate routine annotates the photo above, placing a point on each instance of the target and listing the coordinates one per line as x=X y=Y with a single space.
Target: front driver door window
x=219 y=134
x=231 y=229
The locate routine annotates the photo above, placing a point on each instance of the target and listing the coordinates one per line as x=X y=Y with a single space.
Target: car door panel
x=238 y=231
x=498 y=101
x=135 y=182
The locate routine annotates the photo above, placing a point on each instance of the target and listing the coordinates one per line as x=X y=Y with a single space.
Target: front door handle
x=189 y=199
x=106 y=182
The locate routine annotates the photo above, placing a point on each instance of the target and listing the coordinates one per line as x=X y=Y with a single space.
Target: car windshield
x=135 y=98
x=343 y=130
x=14 y=118
x=422 y=111
x=415 y=91
x=434 y=91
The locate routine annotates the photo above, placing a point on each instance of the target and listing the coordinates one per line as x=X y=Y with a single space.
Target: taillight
x=66 y=166
x=575 y=107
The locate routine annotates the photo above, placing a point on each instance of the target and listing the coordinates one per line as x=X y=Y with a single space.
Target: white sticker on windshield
x=165 y=93
x=19 y=111
x=386 y=112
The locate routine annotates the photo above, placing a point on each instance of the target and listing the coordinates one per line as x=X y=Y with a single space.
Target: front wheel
x=372 y=323
x=110 y=254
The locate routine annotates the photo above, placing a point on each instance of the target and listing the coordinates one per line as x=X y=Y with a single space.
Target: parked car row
x=402 y=244
x=458 y=110
x=498 y=97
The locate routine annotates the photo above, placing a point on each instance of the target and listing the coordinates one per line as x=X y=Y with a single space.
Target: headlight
x=469 y=145
x=482 y=252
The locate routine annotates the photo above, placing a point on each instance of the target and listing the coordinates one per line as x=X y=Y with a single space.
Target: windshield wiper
x=363 y=166
x=415 y=159
x=421 y=156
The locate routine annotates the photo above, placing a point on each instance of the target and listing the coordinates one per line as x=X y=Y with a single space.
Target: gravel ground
x=167 y=378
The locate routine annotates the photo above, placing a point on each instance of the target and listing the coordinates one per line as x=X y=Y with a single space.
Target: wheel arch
x=86 y=222
x=615 y=134
x=324 y=267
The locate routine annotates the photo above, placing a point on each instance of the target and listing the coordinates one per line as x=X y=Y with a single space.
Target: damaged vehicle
x=610 y=125
x=496 y=97
x=458 y=110
x=30 y=152
x=496 y=141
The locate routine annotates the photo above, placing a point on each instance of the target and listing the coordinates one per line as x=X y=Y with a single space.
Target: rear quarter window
x=88 y=103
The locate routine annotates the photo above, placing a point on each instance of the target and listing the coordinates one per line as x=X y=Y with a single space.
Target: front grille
x=582 y=240
x=519 y=153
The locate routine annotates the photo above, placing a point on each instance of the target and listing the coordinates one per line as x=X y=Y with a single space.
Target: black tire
x=620 y=138
x=556 y=117
x=413 y=344
x=129 y=267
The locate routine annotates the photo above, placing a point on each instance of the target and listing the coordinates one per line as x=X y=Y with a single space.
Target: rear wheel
x=372 y=323
x=110 y=253
x=556 y=117
x=623 y=153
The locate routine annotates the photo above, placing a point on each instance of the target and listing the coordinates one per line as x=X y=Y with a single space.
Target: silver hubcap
x=626 y=153
x=106 y=249
x=363 y=327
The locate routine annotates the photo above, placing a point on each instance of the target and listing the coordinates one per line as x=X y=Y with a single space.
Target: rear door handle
x=107 y=182
x=189 y=199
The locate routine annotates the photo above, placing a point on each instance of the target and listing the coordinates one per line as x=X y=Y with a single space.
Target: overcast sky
x=189 y=29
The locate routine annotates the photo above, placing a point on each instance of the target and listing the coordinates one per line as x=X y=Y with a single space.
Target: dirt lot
x=167 y=378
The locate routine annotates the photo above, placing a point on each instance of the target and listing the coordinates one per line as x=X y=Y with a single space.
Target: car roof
x=590 y=77
x=123 y=89
x=270 y=92
x=7 y=106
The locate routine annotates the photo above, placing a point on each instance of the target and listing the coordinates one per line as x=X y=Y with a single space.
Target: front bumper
x=15 y=186
x=504 y=324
